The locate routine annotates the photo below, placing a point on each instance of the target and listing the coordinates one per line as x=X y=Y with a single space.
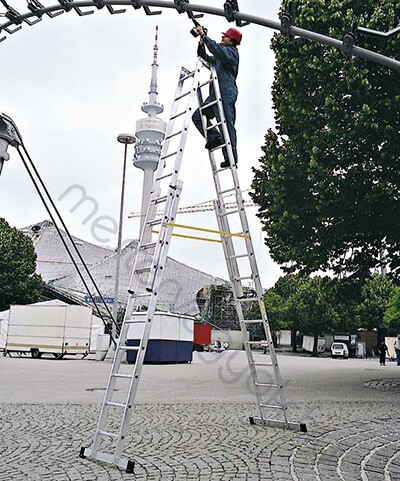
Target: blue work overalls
x=226 y=62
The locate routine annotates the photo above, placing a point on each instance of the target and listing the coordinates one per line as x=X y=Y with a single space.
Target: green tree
x=277 y=301
x=328 y=186
x=313 y=307
x=376 y=294
x=18 y=281
x=391 y=316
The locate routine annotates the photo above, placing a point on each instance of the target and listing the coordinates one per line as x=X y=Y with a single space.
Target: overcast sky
x=72 y=84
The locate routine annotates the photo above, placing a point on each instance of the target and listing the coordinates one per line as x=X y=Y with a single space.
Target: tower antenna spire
x=150 y=132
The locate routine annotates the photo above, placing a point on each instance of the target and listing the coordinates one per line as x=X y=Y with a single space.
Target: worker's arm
x=201 y=52
x=223 y=54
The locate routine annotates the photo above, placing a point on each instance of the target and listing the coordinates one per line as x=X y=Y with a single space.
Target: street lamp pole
x=125 y=139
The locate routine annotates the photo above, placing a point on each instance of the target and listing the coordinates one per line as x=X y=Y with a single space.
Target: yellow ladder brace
x=202 y=229
x=191 y=237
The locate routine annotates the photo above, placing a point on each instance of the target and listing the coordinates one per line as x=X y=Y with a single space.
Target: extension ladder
x=116 y=411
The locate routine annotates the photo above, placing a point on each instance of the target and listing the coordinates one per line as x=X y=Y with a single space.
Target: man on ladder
x=225 y=58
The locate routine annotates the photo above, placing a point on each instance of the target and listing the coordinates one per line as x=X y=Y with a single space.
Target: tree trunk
x=294 y=340
x=315 y=347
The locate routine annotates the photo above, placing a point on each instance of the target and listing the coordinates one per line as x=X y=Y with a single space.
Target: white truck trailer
x=49 y=329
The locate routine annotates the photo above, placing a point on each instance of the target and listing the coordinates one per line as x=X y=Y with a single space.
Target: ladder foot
x=251 y=419
x=82 y=452
x=130 y=466
x=303 y=428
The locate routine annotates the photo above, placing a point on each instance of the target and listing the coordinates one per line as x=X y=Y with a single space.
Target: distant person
x=396 y=345
x=218 y=345
x=382 y=348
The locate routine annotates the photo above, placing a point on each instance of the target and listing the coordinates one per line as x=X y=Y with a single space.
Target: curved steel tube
x=98 y=4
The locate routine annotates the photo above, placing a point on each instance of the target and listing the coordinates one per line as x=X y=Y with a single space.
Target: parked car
x=339 y=349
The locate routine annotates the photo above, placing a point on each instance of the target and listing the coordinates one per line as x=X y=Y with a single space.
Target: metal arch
x=38 y=10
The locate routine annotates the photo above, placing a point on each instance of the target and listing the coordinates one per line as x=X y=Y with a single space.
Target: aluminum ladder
x=242 y=267
x=115 y=415
x=146 y=279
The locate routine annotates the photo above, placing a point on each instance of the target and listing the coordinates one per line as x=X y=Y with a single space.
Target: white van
x=339 y=349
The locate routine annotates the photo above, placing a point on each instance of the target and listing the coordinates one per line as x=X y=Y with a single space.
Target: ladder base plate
x=125 y=464
x=278 y=424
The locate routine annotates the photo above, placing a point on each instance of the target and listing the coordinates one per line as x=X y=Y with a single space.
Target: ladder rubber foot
x=82 y=453
x=303 y=428
x=130 y=292
x=149 y=289
x=251 y=419
x=130 y=466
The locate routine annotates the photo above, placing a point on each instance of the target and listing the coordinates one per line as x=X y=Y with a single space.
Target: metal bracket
x=66 y=4
x=149 y=12
x=231 y=7
x=179 y=5
x=286 y=23
x=113 y=11
x=35 y=6
x=348 y=43
x=13 y=16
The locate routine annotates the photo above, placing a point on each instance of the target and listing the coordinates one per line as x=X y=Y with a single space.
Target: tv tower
x=150 y=132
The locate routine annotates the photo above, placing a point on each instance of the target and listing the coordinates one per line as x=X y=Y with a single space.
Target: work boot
x=213 y=143
x=225 y=164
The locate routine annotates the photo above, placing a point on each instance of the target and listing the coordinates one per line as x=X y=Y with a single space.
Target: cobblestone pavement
x=205 y=442
x=198 y=427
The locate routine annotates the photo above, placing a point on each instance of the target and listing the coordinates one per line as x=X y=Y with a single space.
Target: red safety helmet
x=233 y=33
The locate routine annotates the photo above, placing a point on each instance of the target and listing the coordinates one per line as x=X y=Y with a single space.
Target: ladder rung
x=247 y=299
x=230 y=212
x=129 y=348
x=153 y=222
x=138 y=295
x=163 y=176
x=206 y=106
x=244 y=278
x=227 y=190
x=173 y=135
x=256 y=343
x=122 y=376
x=207 y=82
x=213 y=126
x=264 y=364
x=273 y=406
x=237 y=256
x=169 y=155
x=107 y=433
x=117 y=405
x=185 y=77
x=267 y=384
x=182 y=96
x=150 y=245
x=135 y=321
x=158 y=200
x=142 y=269
x=253 y=321
x=178 y=115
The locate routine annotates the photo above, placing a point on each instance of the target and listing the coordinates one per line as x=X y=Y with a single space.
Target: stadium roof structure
x=180 y=286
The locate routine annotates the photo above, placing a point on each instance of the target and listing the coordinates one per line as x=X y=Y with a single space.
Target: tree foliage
x=329 y=183
x=391 y=316
x=376 y=294
x=18 y=282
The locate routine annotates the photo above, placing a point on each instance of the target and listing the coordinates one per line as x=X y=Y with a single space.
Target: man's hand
x=202 y=31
